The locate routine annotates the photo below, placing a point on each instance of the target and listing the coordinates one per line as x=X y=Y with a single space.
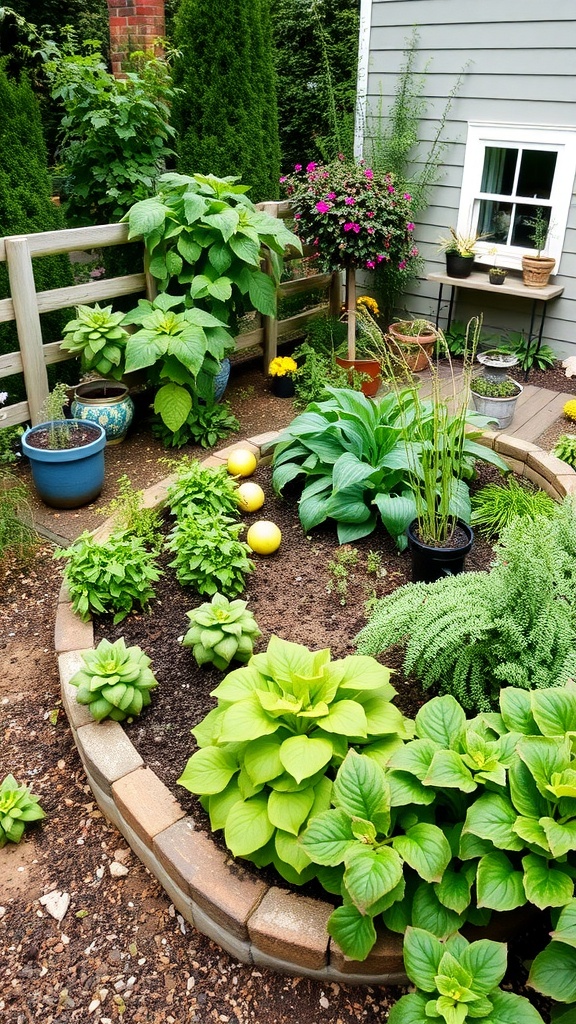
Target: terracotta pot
x=415 y=351
x=536 y=270
x=368 y=366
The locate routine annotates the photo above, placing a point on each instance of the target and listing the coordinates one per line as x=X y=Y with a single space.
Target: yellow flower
x=369 y=303
x=281 y=366
x=570 y=409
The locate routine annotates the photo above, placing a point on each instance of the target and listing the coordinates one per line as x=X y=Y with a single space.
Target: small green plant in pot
x=496 y=399
x=96 y=335
x=115 y=681
x=536 y=269
x=18 y=807
x=221 y=631
x=460 y=251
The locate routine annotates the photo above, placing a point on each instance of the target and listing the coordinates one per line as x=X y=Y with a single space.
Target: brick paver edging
x=256 y=923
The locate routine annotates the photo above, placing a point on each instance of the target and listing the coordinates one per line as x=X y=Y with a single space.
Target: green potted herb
x=536 y=269
x=460 y=251
x=66 y=456
x=497 y=275
x=496 y=399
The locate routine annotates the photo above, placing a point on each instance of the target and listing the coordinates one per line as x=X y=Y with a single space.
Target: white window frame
x=554 y=138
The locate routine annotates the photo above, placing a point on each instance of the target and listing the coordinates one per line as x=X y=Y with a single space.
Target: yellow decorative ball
x=241 y=462
x=264 y=537
x=570 y=409
x=251 y=497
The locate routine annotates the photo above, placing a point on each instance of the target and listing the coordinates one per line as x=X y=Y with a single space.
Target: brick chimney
x=134 y=25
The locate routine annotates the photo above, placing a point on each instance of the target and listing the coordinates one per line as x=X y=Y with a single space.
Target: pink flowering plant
x=351 y=216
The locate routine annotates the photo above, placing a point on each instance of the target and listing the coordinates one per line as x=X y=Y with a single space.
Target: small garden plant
x=495 y=505
x=209 y=555
x=202 y=490
x=221 y=631
x=340 y=569
x=109 y=577
x=131 y=517
x=18 y=807
x=507 y=388
x=565 y=449
x=115 y=681
x=97 y=337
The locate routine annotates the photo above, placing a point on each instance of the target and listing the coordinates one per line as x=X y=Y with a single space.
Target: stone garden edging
x=254 y=922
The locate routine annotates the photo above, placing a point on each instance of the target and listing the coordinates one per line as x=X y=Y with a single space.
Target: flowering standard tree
x=353 y=219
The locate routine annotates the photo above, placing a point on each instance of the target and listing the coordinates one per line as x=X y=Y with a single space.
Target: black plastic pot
x=283 y=387
x=432 y=563
x=457 y=265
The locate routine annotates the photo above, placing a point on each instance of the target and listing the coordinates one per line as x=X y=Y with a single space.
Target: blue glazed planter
x=221 y=379
x=67 y=477
x=106 y=402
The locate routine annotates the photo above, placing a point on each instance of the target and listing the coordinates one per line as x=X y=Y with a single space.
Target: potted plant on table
x=536 y=269
x=497 y=275
x=66 y=456
x=460 y=252
x=353 y=219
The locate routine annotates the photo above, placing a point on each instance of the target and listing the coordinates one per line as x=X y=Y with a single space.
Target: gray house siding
x=516 y=68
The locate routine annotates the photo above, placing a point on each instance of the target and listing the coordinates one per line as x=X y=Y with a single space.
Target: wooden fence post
x=23 y=291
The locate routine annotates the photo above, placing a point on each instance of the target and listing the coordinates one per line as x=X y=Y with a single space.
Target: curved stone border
x=256 y=923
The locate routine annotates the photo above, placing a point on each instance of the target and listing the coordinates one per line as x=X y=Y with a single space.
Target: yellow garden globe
x=264 y=537
x=241 y=462
x=251 y=497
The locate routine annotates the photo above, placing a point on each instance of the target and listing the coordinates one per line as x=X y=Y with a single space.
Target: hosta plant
x=458 y=981
x=96 y=335
x=469 y=817
x=221 y=631
x=209 y=555
x=18 y=806
x=202 y=490
x=270 y=749
x=115 y=681
x=111 y=577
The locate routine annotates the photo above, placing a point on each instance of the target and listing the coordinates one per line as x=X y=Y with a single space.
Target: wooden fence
x=26 y=304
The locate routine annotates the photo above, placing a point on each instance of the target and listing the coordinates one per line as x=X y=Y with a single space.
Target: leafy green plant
x=506 y=388
x=471 y=633
x=456 y=981
x=185 y=349
x=130 y=515
x=209 y=556
x=202 y=490
x=114 y=681
x=207 y=239
x=339 y=568
x=221 y=631
x=317 y=371
x=469 y=817
x=18 y=806
x=540 y=224
x=455 y=338
x=374 y=562
x=462 y=245
x=565 y=449
x=495 y=505
x=9 y=443
x=116 y=132
x=269 y=749
x=97 y=337
x=530 y=353
x=109 y=577
x=206 y=424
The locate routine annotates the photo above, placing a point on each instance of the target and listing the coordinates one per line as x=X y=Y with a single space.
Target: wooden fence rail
x=26 y=304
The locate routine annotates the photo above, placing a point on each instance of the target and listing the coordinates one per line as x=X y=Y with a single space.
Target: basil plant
x=270 y=749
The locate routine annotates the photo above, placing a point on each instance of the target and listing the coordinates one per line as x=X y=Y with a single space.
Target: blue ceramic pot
x=106 y=402
x=221 y=379
x=67 y=477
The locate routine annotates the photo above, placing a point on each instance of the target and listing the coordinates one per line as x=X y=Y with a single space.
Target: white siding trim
x=362 y=77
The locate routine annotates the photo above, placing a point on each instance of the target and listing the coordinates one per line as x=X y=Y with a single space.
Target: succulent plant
x=18 y=806
x=97 y=337
x=221 y=631
x=115 y=681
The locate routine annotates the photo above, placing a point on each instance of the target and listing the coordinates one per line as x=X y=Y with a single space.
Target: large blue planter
x=67 y=477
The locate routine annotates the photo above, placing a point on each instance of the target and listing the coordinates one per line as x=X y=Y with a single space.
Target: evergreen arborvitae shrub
x=225 y=115
x=25 y=204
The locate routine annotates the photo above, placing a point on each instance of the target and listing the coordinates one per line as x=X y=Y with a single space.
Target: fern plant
x=495 y=505
x=515 y=625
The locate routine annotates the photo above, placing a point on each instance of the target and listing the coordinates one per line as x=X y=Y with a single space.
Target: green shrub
x=495 y=505
x=18 y=806
x=225 y=105
x=470 y=634
x=317 y=371
x=221 y=631
x=206 y=424
x=565 y=449
x=269 y=749
x=202 y=490
x=131 y=517
x=114 y=681
x=209 y=556
x=109 y=577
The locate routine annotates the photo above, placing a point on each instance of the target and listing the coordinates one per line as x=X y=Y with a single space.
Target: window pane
x=536 y=173
x=494 y=220
x=499 y=169
x=522 y=231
